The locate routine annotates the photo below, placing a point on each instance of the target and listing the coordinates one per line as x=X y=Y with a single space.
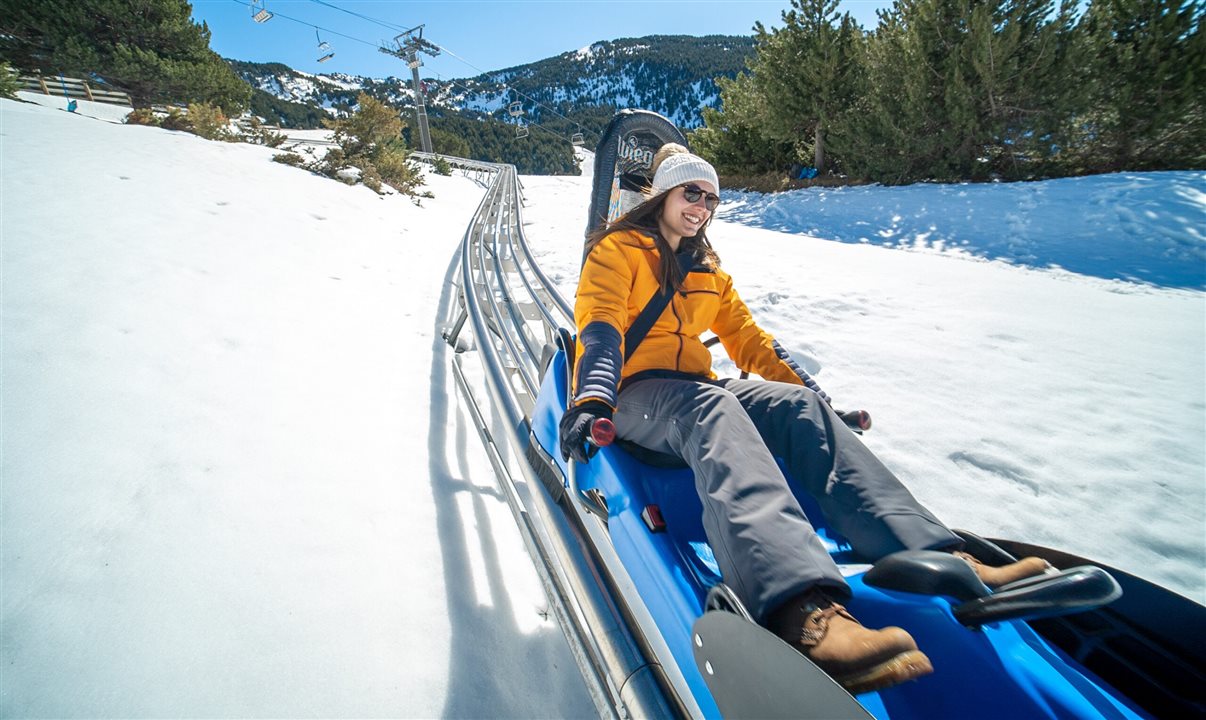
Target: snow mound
x=1143 y=227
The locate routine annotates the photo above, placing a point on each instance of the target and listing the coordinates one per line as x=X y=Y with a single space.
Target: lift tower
x=407 y=46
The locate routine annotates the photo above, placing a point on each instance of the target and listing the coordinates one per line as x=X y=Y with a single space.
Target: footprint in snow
x=997 y=466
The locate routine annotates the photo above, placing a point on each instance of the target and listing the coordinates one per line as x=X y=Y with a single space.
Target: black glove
x=575 y=430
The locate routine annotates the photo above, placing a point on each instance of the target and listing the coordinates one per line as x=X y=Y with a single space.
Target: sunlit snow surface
x=236 y=478
x=1145 y=227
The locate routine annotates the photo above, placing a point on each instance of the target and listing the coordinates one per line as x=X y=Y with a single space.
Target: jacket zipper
x=678 y=332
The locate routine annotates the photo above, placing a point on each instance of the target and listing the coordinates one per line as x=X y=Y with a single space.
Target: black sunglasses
x=694 y=192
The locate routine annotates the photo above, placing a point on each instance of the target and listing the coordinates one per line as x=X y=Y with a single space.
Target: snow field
x=225 y=492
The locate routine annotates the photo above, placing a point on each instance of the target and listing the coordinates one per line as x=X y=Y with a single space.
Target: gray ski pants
x=729 y=432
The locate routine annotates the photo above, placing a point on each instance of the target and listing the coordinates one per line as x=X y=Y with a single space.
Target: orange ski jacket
x=618 y=280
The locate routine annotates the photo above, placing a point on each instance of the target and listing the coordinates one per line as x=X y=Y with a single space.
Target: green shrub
x=200 y=119
x=290 y=158
x=271 y=138
x=253 y=131
x=9 y=83
x=208 y=121
x=371 y=178
x=441 y=166
x=143 y=116
x=370 y=142
x=331 y=164
x=395 y=168
x=177 y=119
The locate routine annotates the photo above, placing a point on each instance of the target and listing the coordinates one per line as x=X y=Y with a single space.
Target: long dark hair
x=643 y=219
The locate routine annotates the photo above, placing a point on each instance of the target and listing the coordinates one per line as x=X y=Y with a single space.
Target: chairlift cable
x=329 y=31
x=382 y=23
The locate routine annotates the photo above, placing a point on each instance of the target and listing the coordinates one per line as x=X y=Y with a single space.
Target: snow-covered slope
x=236 y=479
x=1146 y=227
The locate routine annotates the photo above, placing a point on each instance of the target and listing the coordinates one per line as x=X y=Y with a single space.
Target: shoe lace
x=816 y=624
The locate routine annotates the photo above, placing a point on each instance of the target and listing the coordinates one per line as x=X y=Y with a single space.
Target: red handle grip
x=857 y=419
x=602 y=432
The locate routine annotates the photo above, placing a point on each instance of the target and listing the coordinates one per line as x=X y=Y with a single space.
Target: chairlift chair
x=521 y=131
x=516 y=109
x=578 y=139
x=259 y=13
x=324 y=48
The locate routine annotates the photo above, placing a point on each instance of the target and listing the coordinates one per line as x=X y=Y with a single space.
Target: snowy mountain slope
x=672 y=75
x=281 y=81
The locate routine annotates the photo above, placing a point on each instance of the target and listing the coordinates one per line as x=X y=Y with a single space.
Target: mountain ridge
x=670 y=74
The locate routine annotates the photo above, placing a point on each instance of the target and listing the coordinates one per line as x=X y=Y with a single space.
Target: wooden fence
x=73 y=88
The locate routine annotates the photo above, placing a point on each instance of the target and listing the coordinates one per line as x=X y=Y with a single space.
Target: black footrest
x=1073 y=590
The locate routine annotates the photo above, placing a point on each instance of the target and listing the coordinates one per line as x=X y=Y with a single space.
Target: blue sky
x=479 y=35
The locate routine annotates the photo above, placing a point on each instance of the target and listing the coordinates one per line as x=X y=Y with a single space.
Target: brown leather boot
x=995 y=577
x=859 y=659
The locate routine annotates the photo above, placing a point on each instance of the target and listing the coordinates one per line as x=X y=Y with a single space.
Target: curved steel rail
x=513 y=313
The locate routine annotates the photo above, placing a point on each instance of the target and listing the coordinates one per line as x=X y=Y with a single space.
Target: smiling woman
x=656 y=381
x=683 y=215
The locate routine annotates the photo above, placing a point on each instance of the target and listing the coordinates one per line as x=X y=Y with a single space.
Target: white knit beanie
x=680 y=169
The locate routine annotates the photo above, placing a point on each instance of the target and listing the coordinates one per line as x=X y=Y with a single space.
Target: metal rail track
x=513 y=313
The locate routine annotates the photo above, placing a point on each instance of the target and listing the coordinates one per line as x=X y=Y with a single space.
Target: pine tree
x=733 y=139
x=895 y=127
x=1015 y=63
x=805 y=71
x=151 y=48
x=965 y=89
x=370 y=140
x=372 y=127
x=1148 y=61
x=9 y=84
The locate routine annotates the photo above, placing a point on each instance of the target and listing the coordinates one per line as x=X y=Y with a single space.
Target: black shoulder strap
x=653 y=309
